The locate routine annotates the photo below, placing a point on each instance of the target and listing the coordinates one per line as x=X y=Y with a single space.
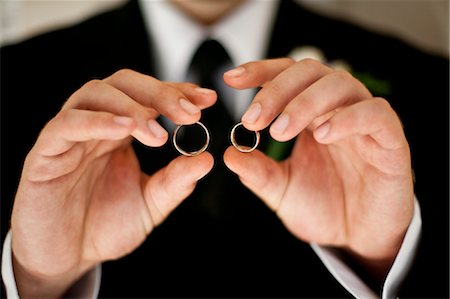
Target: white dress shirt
x=245 y=35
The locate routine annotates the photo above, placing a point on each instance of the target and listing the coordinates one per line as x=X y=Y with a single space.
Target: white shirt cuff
x=402 y=263
x=87 y=286
x=7 y=269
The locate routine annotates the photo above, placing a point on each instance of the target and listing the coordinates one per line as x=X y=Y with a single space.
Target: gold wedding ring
x=244 y=149
x=193 y=153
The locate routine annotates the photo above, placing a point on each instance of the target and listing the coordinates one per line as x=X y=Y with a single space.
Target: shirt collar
x=244 y=33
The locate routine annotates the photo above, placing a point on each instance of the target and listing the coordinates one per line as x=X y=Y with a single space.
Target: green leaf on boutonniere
x=377 y=86
x=278 y=150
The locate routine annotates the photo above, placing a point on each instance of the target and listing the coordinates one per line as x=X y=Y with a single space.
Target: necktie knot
x=208 y=64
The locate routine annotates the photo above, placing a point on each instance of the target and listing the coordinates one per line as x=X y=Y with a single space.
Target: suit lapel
x=285 y=36
x=132 y=44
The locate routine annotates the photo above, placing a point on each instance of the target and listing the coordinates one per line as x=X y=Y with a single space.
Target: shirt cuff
x=87 y=286
x=7 y=269
x=402 y=263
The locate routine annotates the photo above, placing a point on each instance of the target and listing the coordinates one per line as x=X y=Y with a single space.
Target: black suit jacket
x=231 y=244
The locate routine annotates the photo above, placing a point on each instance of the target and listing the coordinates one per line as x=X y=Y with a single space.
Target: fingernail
x=123 y=120
x=252 y=114
x=156 y=129
x=280 y=125
x=322 y=131
x=204 y=90
x=189 y=107
x=239 y=71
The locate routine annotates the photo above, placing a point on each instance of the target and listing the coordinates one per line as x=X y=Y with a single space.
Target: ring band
x=239 y=147
x=193 y=153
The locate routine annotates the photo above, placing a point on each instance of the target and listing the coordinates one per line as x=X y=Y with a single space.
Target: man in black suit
x=346 y=184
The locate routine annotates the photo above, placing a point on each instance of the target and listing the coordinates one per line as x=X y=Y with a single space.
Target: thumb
x=262 y=175
x=168 y=187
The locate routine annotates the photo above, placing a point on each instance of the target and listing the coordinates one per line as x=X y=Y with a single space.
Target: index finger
x=276 y=94
x=164 y=97
x=256 y=73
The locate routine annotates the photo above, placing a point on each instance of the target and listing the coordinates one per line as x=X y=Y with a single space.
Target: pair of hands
x=83 y=199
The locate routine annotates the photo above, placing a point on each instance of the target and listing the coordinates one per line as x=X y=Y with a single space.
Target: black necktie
x=206 y=69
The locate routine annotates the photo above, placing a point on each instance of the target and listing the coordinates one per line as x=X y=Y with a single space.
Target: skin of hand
x=348 y=181
x=82 y=198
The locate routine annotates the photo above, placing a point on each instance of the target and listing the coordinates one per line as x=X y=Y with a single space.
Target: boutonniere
x=377 y=86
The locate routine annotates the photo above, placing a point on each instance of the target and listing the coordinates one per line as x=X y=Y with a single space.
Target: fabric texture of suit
x=232 y=245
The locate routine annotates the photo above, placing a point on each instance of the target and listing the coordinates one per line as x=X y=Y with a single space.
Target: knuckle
x=385 y=108
x=63 y=116
x=251 y=64
x=274 y=89
x=93 y=85
x=121 y=74
x=288 y=60
x=189 y=85
x=180 y=86
x=269 y=96
x=283 y=62
x=306 y=104
x=166 y=93
x=346 y=81
x=379 y=109
x=343 y=76
x=311 y=66
x=310 y=63
x=78 y=98
x=382 y=104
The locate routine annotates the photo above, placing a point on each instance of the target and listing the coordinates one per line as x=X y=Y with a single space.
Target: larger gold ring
x=193 y=153
x=241 y=148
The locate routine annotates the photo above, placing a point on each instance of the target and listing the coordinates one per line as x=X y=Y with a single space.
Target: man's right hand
x=82 y=198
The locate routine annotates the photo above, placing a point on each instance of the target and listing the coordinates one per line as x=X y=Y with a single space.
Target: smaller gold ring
x=193 y=153
x=239 y=147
